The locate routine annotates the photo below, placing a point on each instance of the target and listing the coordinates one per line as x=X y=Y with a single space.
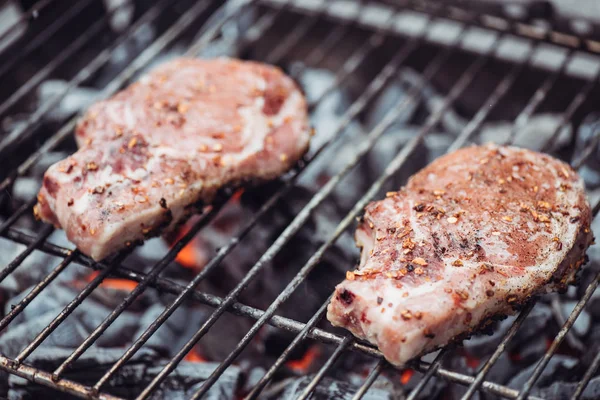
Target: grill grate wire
x=229 y=303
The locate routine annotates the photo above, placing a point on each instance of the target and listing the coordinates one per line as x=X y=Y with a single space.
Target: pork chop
x=157 y=151
x=473 y=235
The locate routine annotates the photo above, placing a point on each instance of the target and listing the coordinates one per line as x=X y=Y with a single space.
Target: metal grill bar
x=374 y=86
x=23 y=132
x=538 y=97
x=139 y=62
x=149 y=15
x=355 y=60
x=587 y=377
x=473 y=125
x=292 y=228
x=42 y=236
x=41 y=337
x=276 y=321
x=465 y=380
x=434 y=118
x=113 y=316
x=318 y=53
x=321 y=373
x=460 y=85
x=167 y=286
x=138 y=290
x=314 y=320
x=289 y=324
x=65 y=312
x=370 y=379
x=433 y=368
x=498 y=352
x=43 y=36
x=297 y=33
x=559 y=338
x=14 y=217
x=16 y=310
x=35 y=9
x=577 y=101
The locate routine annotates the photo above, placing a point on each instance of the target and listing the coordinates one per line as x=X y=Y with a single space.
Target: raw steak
x=160 y=149
x=473 y=235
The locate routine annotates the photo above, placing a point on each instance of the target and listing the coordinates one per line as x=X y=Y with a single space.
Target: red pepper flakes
x=420 y=261
x=462 y=294
x=406 y=315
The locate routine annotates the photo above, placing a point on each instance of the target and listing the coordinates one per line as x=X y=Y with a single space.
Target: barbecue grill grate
x=207 y=11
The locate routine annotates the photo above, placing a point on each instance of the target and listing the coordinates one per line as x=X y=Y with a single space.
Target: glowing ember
x=194 y=356
x=406 y=375
x=191 y=256
x=302 y=365
x=472 y=362
x=114 y=283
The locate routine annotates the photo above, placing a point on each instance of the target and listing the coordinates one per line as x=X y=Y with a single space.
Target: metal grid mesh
x=229 y=303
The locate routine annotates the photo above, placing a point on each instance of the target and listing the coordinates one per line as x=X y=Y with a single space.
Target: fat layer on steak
x=471 y=236
x=155 y=152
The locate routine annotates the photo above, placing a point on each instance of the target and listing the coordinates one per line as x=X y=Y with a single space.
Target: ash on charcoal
x=559 y=368
x=535 y=323
x=564 y=390
x=131 y=379
x=77 y=99
x=502 y=370
x=534 y=134
x=122 y=18
x=330 y=389
x=588 y=134
x=33 y=269
x=582 y=323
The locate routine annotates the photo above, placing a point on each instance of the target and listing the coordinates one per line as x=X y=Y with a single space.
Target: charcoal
x=502 y=370
x=564 y=390
x=530 y=350
x=435 y=386
x=533 y=135
x=582 y=323
x=590 y=171
x=535 y=323
x=558 y=366
x=33 y=269
x=332 y=389
x=76 y=100
x=120 y=19
x=130 y=379
x=173 y=334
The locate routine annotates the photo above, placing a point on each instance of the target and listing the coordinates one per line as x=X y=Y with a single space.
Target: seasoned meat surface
x=155 y=152
x=471 y=236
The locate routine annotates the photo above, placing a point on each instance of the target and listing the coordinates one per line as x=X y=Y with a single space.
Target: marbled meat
x=157 y=151
x=472 y=236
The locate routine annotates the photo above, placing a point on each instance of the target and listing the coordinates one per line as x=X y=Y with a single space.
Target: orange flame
x=237 y=195
x=406 y=375
x=190 y=256
x=194 y=356
x=114 y=283
x=515 y=356
x=472 y=361
x=302 y=365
